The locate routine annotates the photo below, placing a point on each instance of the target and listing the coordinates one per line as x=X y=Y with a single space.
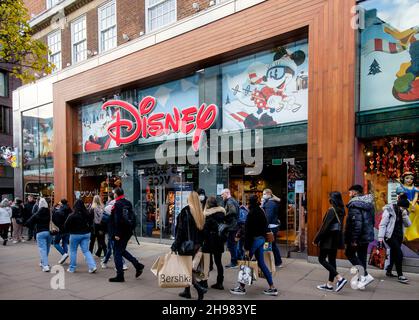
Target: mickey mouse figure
x=274 y=83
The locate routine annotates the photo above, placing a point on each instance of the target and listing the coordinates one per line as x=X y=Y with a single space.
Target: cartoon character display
x=8 y=154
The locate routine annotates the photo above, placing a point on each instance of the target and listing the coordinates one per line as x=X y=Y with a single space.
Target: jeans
x=358 y=256
x=120 y=250
x=232 y=246
x=257 y=250
x=330 y=264
x=396 y=255
x=44 y=244
x=81 y=240
x=240 y=249
x=109 y=250
x=64 y=238
x=275 y=248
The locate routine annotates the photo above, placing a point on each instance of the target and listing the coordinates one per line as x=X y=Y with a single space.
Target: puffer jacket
x=388 y=221
x=213 y=243
x=271 y=208
x=5 y=215
x=360 y=221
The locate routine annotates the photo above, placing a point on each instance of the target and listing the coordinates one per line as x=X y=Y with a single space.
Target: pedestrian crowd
x=208 y=226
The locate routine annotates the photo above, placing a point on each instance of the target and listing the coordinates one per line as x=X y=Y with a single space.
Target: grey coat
x=388 y=221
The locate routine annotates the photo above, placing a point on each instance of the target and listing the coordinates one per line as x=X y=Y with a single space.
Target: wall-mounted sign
x=191 y=120
x=299 y=186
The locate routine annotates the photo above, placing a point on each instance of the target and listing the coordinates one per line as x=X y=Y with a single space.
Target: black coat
x=231 y=207
x=60 y=215
x=256 y=226
x=40 y=220
x=360 y=221
x=328 y=237
x=27 y=210
x=213 y=243
x=79 y=223
x=116 y=225
x=17 y=212
x=196 y=235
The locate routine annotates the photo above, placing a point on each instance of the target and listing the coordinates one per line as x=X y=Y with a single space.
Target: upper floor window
x=3 y=84
x=54 y=44
x=52 y=3
x=160 y=13
x=78 y=39
x=5 y=120
x=107 y=26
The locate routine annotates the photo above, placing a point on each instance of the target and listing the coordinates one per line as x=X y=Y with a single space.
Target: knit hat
x=402 y=201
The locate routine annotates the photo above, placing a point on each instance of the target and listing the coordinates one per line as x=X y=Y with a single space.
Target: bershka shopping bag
x=176 y=271
x=157 y=265
x=200 y=265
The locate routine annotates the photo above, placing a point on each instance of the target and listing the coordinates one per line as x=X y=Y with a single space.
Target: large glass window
x=78 y=39
x=389 y=54
x=160 y=13
x=54 y=44
x=52 y=3
x=4 y=88
x=107 y=26
x=38 y=163
x=5 y=120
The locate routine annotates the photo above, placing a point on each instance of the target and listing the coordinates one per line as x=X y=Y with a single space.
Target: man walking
x=232 y=215
x=122 y=224
x=271 y=207
x=59 y=216
x=359 y=231
x=27 y=213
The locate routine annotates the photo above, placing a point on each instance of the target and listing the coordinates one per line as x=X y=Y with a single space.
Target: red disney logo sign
x=191 y=119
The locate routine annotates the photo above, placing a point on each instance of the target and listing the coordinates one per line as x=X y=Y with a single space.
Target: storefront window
x=38 y=163
x=388 y=161
x=389 y=54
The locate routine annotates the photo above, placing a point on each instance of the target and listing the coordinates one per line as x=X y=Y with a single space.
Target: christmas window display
x=391 y=167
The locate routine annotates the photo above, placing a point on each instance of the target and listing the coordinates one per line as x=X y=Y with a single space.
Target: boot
x=203 y=283
x=4 y=242
x=139 y=270
x=186 y=293
x=219 y=284
x=117 y=279
x=200 y=290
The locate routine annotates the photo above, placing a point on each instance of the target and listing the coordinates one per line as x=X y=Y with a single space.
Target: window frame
x=6 y=84
x=52 y=3
x=5 y=125
x=73 y=43
x=99 y=20
x=147 y=20
x=51 y=34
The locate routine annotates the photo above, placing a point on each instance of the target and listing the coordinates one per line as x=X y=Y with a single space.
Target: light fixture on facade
x=68 y=64
x=205 y=170
x=97 y=158
x=212 y=3
x=195 y=5
x=141 y=33
x=124 y=155
x=125 y=37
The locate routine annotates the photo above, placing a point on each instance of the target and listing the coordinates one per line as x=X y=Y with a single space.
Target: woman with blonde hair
x=96 y=210
x=40 y=222
x=189 y=226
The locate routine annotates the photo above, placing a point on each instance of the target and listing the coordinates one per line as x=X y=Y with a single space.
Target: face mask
x=266 y=196
x=202 y=197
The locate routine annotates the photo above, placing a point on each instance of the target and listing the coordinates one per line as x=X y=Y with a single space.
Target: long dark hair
x=335 y=199
x=253 y=202
x=80 y=208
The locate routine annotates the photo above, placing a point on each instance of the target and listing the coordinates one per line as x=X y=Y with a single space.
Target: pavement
x=21 y=278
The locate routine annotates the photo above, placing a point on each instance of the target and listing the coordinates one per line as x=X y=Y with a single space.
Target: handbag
x=187 y=248
x=269 y=237
x=53 y=229
x=378 y=257
x=336 y=226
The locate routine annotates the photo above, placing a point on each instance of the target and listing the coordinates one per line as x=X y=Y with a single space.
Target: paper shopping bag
x=252 y=264
x=200 y=266
x=176 y=271
x=245 y=275
x=377 y=257
x=269 y=259
x=157 y=265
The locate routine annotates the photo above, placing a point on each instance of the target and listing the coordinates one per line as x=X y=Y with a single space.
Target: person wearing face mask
x=270 y=205
x=202 y=197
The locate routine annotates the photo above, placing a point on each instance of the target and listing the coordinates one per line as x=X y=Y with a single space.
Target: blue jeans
x=44 y=243
x=64 y=238
x=81 y=240
x=240 y=249
x=232 y=246
x=275 y=248
x=120 y=250
x=111 y=249
x=257 y=250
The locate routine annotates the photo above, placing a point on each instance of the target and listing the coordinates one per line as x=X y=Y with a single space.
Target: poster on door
x=182 y=191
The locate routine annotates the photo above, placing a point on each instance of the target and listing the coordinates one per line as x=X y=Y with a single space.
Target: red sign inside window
x=147 y=124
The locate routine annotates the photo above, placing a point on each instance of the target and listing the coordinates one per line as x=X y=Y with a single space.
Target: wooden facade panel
x=331 y=85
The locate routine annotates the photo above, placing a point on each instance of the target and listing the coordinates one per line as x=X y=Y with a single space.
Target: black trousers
x=358 y=256
x=396 y=255
x=220 y=268
x=98 y=234
x=4 y=230
x=120 y=251
x=330 y=263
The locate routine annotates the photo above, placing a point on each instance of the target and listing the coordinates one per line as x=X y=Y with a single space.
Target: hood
x=210 y=211
x=363 y=202
x=389 y=208
x=275 y=198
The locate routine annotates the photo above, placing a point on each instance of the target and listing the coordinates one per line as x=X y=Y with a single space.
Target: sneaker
x=365 y=281
x=280 y=266
x=23 y=240
x=238 y=290
x=231 y=266
x=103 y=265
x=46 y=269
x=14 y=241
x=70 y=271
x=63 y=258
x=93 y=270
x=325 y=287
x=340 y=284
x=124 y=267
x=402 y=279
x=390 y=274
x=271 y=292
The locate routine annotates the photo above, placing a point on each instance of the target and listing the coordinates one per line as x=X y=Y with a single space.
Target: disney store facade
x=275 y=78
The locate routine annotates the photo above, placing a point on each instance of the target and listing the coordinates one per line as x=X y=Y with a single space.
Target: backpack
x=243 y=215
x=129 y=220
x=105 y=218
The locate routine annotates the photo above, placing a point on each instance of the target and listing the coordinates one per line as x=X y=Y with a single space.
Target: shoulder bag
x=187 y=247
